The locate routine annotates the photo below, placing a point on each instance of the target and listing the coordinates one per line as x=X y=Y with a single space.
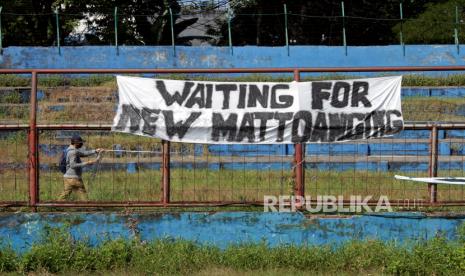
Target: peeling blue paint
x=219 y=57
x=225 y=228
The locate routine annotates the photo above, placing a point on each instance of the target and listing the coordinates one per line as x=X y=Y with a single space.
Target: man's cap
x=76 y=139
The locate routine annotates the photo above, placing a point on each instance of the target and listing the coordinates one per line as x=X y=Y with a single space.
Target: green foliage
x=261 y=22
x=8 y=260
x=166 y=256
x=434 y=257
x=113 y=254
x=58 y=252
x=435 y=25
x=140 y=22
x=32 y=22
x=12 y=98
x=51 y=254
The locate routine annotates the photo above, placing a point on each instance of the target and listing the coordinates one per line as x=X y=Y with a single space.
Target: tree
x=435 y=25
x=261 y=22
x=32 y=22
x=140 y=22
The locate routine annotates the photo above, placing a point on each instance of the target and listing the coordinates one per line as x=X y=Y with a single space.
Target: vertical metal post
x=344 y=40
x=166 y=174
x=1 y=35
x=456 y=32
x=229 y=32
x=116 y=31
x=433 y=163
x=401 y=36
x=33 y=144
x=285 y=29
x=299 y=172
x=172 y=32
x=58 y=30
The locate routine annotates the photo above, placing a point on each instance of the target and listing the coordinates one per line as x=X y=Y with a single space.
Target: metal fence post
x=285 y=29
x=229 y=32
x=116 y=30
x=456 y=32
x=172 y=32
x=299 y=171
x=166 y=174
x=401 y=36
x=57 y=20
x=433 y=163
x=344 y=40
x=33 y=144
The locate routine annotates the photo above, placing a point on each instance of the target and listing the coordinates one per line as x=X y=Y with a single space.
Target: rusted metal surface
x=371 y=203
x=107 y=127
x=166 y=173
x=237 y=70
x=33 y=142
x=299 y=159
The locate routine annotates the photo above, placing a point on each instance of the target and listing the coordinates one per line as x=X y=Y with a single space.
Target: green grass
x=58 y=253
x=432 y=109
x=226 y=185
x=9 y=80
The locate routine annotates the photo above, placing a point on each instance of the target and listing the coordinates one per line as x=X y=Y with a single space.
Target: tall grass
x=227 y=185
x=59 y=252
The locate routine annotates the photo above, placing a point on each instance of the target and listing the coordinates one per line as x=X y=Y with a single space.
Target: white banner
x=259 y=112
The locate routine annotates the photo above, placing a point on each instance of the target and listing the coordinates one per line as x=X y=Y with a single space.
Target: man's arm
x=86 y=153
x=72 y=155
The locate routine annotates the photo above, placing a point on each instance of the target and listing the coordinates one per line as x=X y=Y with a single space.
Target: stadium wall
x=224 y=228
x=221 y=57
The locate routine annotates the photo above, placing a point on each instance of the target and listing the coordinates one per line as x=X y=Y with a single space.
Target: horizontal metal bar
x=430 y=125
x=372 y=203
x=14 y=127
x=235 y=70
x=13 y=203
x=407 y=126
x=74 y=127
x=146 y=204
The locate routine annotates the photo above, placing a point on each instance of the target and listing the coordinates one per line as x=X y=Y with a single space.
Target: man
x=73 y=176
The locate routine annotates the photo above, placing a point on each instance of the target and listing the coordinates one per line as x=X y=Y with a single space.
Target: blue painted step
x=407 y=148
x=455 y=134
x=56 y=108
x=390 y=149
x=52 y=150
x=261 y=166
x=448 y=92
x=337 y=149
x=264 y=166
x=408 y=167
x=250 y=150
x=415 y=92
